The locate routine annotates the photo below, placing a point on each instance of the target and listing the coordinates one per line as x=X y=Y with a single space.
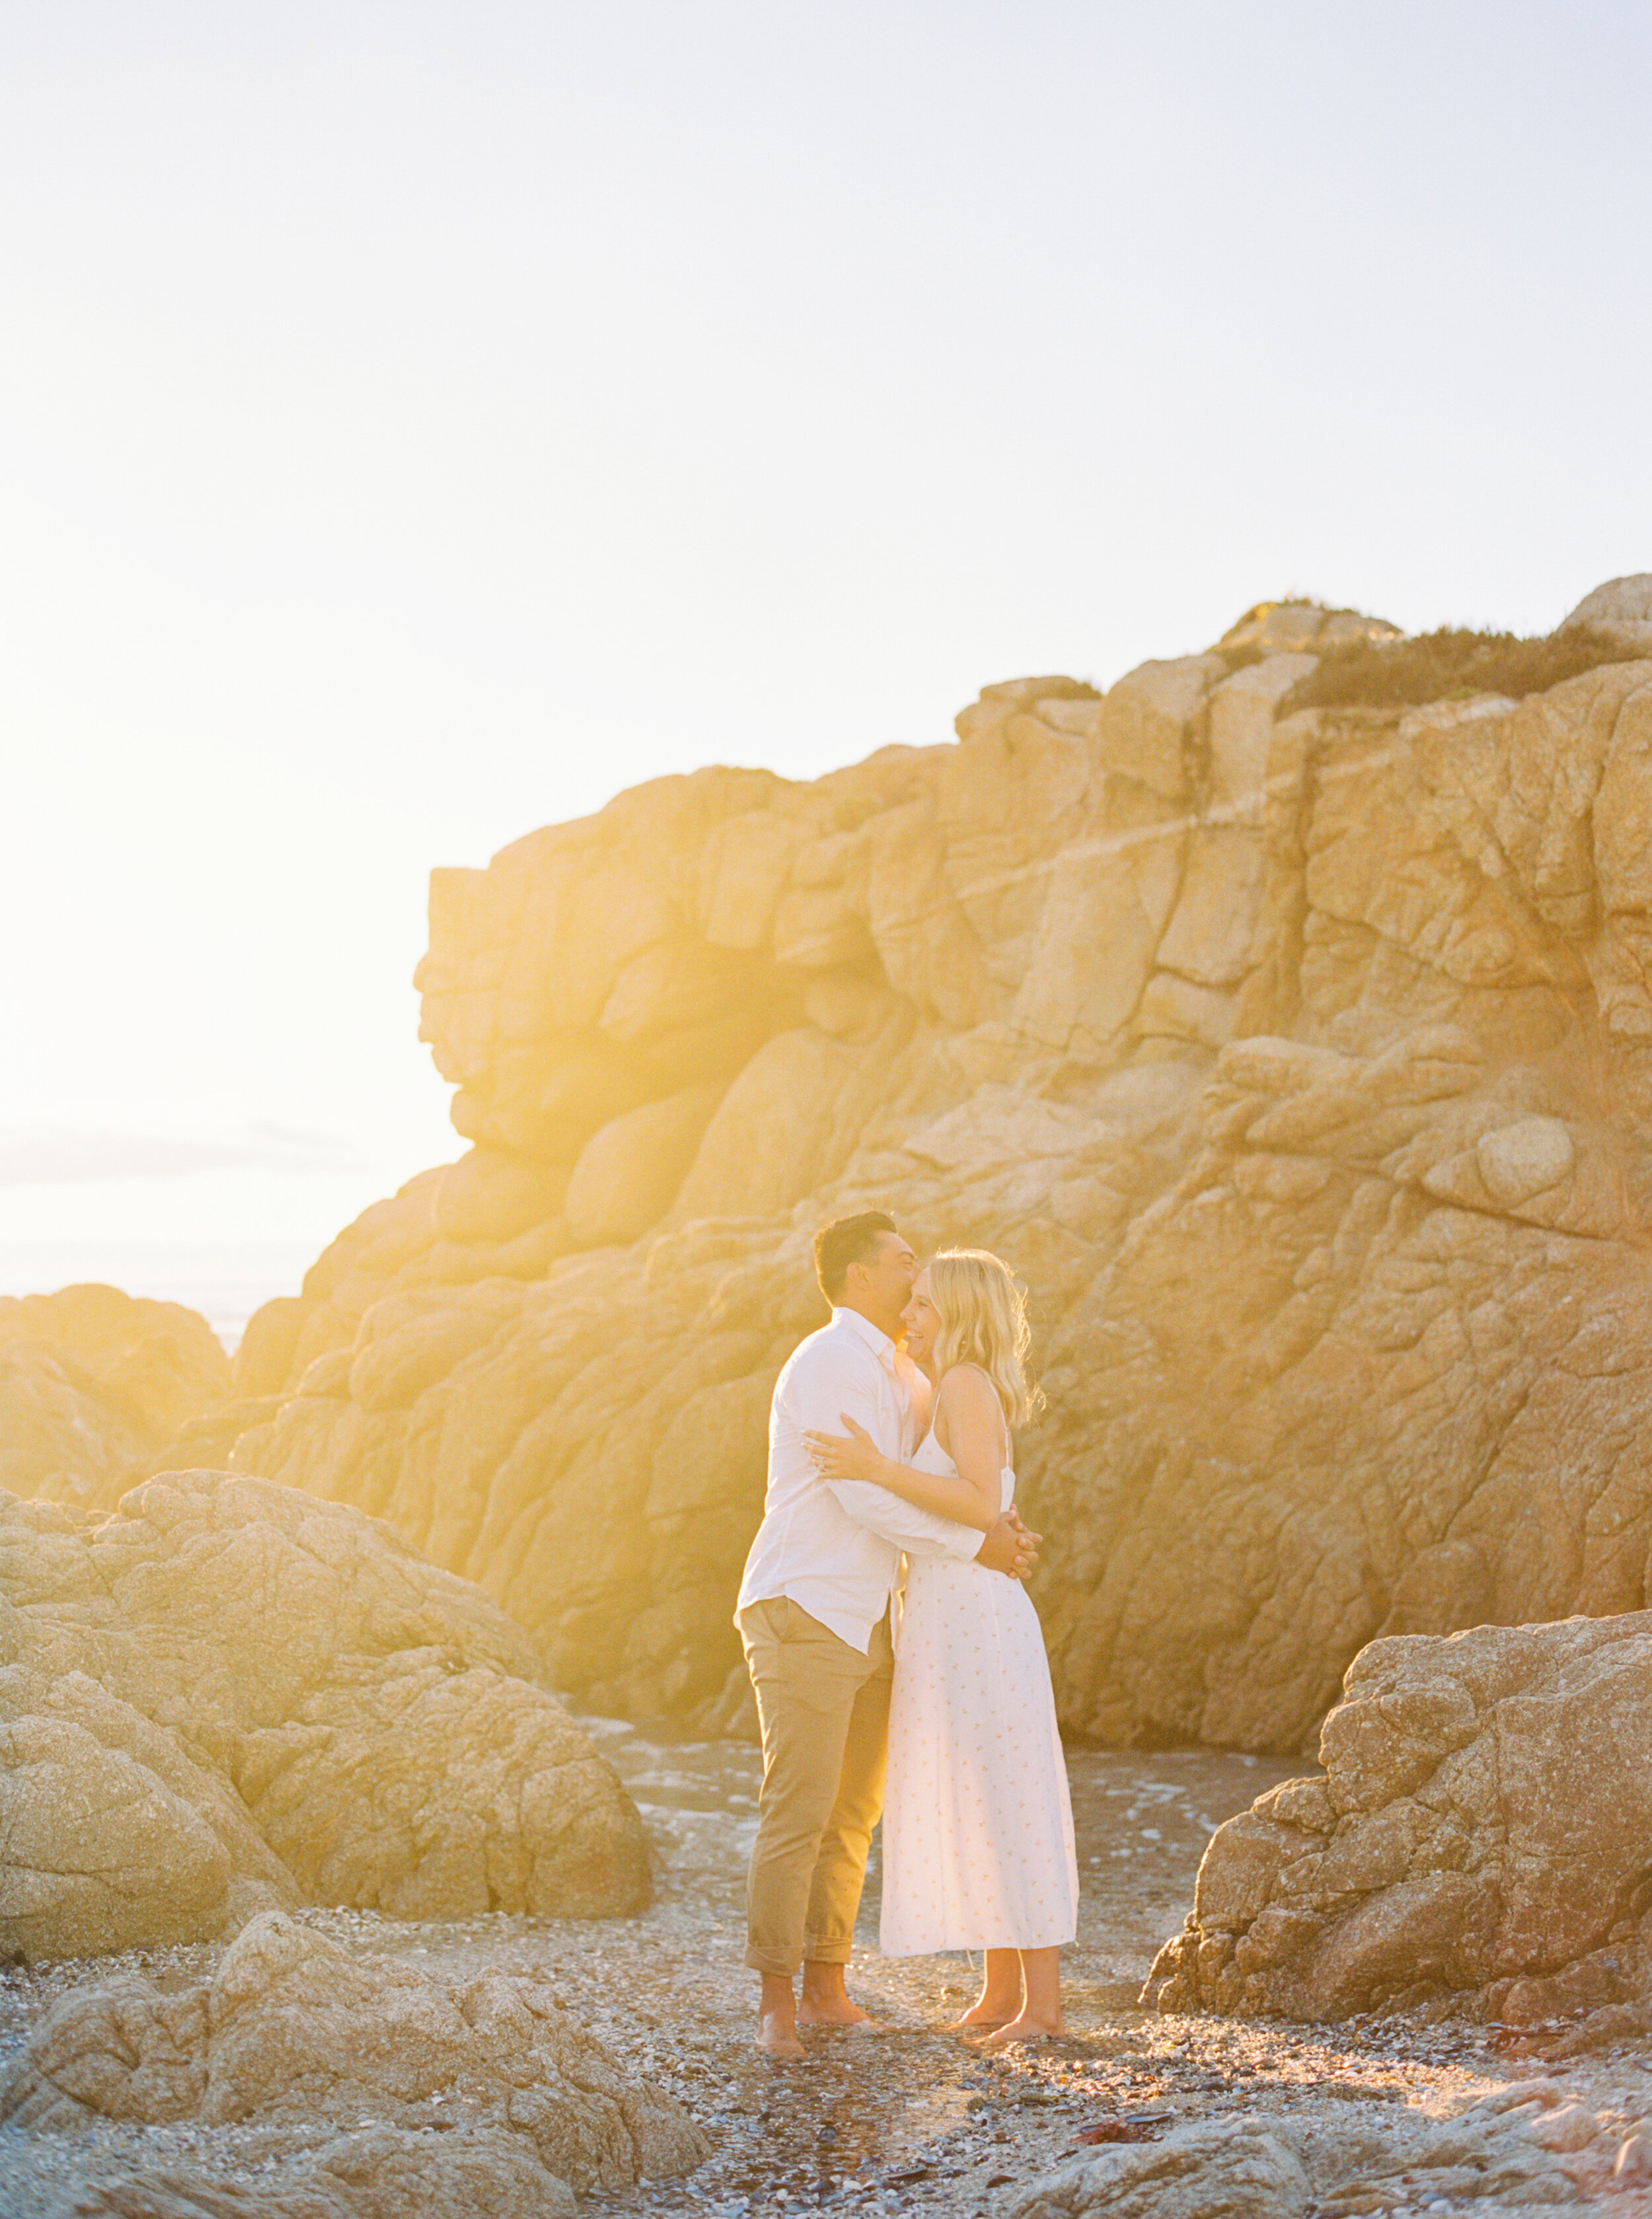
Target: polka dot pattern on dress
x=979 y=1848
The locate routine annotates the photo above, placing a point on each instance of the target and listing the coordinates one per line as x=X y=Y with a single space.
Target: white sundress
x=978 y=1824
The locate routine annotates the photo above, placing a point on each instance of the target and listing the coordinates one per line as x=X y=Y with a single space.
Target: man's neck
x=878 y=1324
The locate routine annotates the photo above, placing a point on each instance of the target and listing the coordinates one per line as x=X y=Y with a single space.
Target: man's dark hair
x=848 y=1240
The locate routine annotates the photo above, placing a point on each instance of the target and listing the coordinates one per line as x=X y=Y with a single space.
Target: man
x=813 y=1615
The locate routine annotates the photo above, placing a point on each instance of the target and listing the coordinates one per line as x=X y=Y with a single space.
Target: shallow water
x=1142 y=1819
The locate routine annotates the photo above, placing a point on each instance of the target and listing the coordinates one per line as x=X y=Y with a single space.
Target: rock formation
x=228 y=1697
x=92 y=1382
x=1522 y=2149
x=1301 y=1059
x=1479 y=1842
x=384 y=2088
x=1623 y=607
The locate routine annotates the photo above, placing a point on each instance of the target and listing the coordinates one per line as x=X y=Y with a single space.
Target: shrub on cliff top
x=1449 y=665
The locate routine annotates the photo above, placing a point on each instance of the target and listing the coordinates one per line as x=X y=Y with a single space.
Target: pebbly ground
x=913 y=2119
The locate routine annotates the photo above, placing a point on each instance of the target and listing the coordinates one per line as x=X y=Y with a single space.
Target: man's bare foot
x=833 y=2010
x=777 y=2020
x=825 y=2003
x=980 y=2018
x=778 y=2038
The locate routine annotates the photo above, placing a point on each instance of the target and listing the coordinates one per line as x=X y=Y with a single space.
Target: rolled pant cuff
x=770 y=1960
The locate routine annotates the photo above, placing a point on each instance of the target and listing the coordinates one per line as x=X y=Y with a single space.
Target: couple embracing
x=890 y=1438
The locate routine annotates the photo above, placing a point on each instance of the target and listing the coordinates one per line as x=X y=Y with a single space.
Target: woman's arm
x=973 y=1437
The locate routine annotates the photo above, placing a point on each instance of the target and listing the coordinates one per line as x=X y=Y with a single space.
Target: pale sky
x=421 y=420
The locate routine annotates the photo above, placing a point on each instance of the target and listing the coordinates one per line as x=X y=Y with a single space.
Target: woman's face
x=920 y=1320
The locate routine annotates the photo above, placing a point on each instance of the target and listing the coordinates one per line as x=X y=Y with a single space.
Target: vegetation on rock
x=1451 y=665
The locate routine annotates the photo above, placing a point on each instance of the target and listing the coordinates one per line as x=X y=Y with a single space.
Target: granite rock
x=1477 y=1842
x=482 y=2096
x=1520 y=2148
x=1622 y=608
x=92 y=1382
x=1301 y=1064
x=226 y=1697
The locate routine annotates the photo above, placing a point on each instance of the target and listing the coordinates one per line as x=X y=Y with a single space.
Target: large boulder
x=1622 y=608
x=378 y=2087
x=227 y=1697
x=1519 y=2150
x=116 y=1835
x=92 y=1382
x=1478 y=1841
x=1301 y=1061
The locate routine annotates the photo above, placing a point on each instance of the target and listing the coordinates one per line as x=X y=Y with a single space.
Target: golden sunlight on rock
x=1293 y=1053
x=1297 y=1053
x=92 y=1382
x=227 y=1697
x=1283 y=1014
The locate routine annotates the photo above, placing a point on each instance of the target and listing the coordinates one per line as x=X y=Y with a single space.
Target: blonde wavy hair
x=982 y=1315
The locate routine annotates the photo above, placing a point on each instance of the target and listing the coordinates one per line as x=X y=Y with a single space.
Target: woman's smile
x=920 y=1320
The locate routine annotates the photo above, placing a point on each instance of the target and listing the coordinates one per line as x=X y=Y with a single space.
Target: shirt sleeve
x=822 y=1394
x=919 y=1533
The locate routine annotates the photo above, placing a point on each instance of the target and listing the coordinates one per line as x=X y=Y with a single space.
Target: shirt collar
x=881 y=1343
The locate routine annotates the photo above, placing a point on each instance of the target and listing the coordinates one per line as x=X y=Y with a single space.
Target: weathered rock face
x=228 y=1697
x=1522 y=2148
x=1479 y=1840
x=1301 y=1064
x=478 y=2097
x=93 y=1381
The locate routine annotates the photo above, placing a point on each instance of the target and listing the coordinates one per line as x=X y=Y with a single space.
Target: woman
x=978 y=1828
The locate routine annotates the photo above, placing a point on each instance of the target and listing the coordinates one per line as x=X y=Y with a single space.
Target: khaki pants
x=824 y=1712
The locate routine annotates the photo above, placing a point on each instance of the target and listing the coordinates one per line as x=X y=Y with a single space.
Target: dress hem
x=939 y=1948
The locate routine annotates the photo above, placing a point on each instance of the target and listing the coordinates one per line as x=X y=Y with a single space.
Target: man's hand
x=1011 y=1547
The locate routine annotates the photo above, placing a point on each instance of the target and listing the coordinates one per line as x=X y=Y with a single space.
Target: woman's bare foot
x=1024 y=2029
x=1000 y=1999
x=1037 y=2017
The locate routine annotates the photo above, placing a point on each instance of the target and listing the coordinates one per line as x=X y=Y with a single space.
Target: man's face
x=884 y=1282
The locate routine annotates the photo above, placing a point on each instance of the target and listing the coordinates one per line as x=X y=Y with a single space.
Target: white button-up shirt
x=834 y=1547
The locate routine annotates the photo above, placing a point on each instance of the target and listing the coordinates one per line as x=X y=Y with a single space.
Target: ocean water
x=1142 y=1819
x=225 y=1285
x=226 y=1305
